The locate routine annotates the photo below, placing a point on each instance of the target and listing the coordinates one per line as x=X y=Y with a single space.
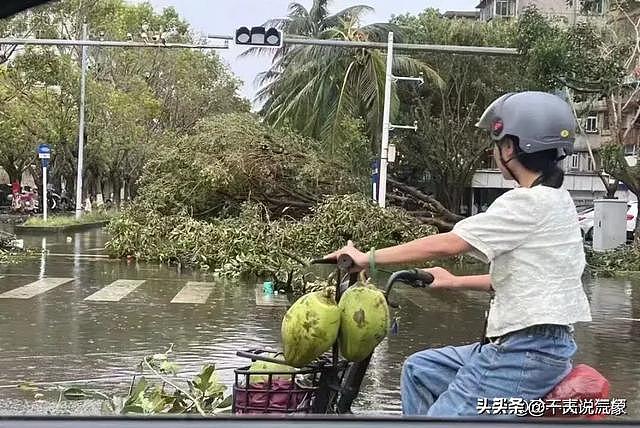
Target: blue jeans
x=448 y=382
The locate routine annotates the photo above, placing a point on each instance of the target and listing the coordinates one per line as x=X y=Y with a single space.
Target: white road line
x=93 y=256
x=194 y=293
x=628 y=319
x=31 y=290
x=115 y=291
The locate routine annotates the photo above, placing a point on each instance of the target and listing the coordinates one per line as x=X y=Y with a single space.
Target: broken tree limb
x=437 y=206
x=442 y=225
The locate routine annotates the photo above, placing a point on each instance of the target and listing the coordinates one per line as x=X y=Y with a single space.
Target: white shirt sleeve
x=508 y=223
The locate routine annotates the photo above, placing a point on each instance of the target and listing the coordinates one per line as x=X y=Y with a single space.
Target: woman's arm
x=444 y=279
x=429 y=248
x=475 y=282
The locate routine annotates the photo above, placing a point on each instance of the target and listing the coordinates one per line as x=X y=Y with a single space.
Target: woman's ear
x=508 y=148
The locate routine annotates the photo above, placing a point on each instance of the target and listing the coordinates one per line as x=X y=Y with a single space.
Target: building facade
x=492 y=9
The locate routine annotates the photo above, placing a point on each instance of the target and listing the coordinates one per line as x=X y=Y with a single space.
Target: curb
x=627 y=274
x=59 y=229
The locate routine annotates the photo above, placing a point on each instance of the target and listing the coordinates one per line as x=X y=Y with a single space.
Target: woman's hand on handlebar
x=359 y=258
x=442 y=278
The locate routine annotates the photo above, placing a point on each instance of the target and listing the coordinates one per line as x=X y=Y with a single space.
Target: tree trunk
x=134 y=189
x=13 y=173
x=611 y=188
x=116 y=191
x=127 y=189
x=103 y=190
x=70 y=186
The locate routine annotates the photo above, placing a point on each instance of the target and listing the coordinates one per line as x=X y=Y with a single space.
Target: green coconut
x=310 y=327
x=266 y=367
x=364 y=321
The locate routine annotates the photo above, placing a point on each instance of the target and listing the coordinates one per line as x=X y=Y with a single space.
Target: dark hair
x=545 y=162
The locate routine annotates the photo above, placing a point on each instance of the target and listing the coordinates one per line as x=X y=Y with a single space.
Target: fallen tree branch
x=288 y=202
x=437 y=206
x=442 y=225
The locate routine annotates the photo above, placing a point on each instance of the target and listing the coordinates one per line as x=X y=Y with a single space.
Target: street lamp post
x=387 y=152
x=83 y=78
x=382 y=186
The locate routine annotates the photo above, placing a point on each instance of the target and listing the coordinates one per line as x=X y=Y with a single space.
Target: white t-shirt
x=532 y=239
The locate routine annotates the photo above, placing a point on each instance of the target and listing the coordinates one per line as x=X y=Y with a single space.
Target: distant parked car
x=585 y=218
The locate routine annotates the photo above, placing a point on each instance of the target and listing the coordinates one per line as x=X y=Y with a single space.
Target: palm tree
x=313 y=88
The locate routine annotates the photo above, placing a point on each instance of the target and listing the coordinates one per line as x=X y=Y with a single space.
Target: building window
x=594 y=6
x=575 y=162
x=486 y=10
x=631 y=150
x=605 y=121
x=505 y=7
x=592 y=124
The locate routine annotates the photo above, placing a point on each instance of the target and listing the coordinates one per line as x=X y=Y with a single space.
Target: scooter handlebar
x=414 y=277
x=417 y=278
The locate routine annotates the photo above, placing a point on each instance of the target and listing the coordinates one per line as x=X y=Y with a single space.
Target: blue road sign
x=44 y=153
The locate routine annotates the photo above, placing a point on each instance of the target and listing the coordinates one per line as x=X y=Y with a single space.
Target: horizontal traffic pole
x=106 y=43
x=452 y=49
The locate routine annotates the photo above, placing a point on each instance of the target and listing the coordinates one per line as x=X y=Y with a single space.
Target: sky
x=223 y=17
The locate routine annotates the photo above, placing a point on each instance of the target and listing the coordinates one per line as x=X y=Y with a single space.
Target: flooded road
x=74 y=315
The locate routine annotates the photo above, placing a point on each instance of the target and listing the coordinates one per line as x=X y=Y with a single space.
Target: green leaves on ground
x=623 y=259
x=254 y=244
x=204 y=394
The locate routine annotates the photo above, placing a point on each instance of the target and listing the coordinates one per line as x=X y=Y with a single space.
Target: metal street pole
x=83 y=77
x=386 y=125
x=44 y=197
x=44 y=153
x=406 y=47
x=108 y=43
x=291 y=40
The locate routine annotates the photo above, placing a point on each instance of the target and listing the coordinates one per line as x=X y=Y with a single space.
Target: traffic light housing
x=259 y=36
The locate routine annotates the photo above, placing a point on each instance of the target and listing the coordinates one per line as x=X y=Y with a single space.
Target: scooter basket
x=307 y=390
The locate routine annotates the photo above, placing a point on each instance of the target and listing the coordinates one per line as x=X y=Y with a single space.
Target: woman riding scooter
x=531 y=238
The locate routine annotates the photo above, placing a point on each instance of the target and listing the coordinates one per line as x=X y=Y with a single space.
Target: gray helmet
x=540 y=120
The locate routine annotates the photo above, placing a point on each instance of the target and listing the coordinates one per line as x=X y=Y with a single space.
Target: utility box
x=609 y=224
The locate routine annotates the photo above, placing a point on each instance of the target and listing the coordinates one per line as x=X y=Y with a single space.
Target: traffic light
x=259 y=36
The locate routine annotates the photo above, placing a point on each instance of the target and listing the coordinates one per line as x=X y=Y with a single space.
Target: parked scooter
x=25 y=202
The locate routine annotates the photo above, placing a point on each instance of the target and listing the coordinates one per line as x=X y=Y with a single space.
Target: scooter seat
x=584 y=384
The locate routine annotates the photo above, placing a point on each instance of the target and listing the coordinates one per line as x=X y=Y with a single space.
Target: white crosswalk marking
x=194 y=292
x=115 y=291
x=31 y=290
